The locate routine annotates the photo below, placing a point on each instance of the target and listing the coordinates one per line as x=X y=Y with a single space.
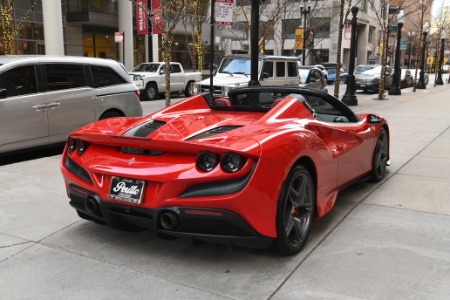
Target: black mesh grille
x=145 y=129
x=212 y=132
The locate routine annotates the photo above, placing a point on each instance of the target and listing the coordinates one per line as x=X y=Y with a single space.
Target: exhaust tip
x=169 y=221
x=91 y=205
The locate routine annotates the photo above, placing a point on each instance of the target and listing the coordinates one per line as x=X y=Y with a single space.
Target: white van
x=43 y=98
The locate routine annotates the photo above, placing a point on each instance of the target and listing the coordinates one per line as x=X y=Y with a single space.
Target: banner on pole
x=141 y=17
x=299 y=38
x=223 y=12
x=157 y=21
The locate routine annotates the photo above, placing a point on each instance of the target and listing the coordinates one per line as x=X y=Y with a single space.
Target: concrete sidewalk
x=381 y=241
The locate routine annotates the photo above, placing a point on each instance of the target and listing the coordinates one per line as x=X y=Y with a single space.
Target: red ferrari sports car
x=254 y=169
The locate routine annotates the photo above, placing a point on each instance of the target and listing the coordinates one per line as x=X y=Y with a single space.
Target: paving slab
x=46 y=273
x=33 y=194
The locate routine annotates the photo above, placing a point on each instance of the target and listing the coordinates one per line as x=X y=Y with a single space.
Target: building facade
x=89 y=28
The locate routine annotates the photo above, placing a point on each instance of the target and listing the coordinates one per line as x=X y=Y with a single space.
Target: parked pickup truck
x=150 y=79
x=234 y=71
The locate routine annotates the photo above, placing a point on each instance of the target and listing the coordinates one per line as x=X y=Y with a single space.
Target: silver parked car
x=43 y=98
x=311 y=77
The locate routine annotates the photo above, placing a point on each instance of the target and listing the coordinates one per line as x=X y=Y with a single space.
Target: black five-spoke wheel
x=295 y=212
x=380 y=156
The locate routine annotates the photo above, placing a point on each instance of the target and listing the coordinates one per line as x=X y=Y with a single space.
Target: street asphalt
x=389 y=240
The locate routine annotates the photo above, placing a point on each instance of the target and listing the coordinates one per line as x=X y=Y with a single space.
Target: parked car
x=234 y=72
x=150 y=78
x=254 y=169
x=361 y=68
x=406 y=80
x=311 y=77
x=332 y=76
x=324 y=71
x=333 y=65
x=43 y=98
x=426 y=78
x=370 y=80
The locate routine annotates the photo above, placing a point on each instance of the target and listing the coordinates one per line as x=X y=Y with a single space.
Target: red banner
x=141 y=17
x=157 y=21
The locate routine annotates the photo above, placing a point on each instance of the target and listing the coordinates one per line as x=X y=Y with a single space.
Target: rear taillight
x=138 y=94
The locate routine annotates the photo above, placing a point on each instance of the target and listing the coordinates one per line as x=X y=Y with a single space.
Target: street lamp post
x=395 y=88
x=349 y=97
x=254 y=44
x=410 y=39
x=439 y=80
x=304 y=13
x=421 y=83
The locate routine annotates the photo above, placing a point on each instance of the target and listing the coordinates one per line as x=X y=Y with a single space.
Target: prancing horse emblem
x=131 y=161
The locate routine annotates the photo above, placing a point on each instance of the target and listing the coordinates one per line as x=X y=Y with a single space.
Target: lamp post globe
x=421 y=83
x=395 y=88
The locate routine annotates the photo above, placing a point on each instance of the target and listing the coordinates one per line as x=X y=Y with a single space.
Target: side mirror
x=374 y=119
x=3 y=93
x=264 y=75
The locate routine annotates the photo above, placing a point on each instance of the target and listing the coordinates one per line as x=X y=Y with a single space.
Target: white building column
x=155 y=45
x=53 y=27
x=125 y=8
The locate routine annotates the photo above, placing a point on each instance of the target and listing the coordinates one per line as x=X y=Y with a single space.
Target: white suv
x=234 y=71
x=43 y=98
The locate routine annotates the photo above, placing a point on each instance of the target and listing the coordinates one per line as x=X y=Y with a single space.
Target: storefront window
x=99 y=45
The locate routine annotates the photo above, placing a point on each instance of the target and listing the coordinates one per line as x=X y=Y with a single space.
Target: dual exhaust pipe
x=168 y=220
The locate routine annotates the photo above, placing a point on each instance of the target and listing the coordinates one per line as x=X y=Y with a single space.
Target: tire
x=189 y=90
x=151 y=91
x=110 y=114
x=380 y=157
x=295 y=212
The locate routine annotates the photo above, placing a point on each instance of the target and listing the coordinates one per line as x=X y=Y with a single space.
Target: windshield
x=374 y=71
x=237 y=66
x=331 y=71
x=146 y=68
x=303 y=73
x=360 y=69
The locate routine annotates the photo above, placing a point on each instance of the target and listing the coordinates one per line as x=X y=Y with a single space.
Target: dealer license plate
x=126 y=190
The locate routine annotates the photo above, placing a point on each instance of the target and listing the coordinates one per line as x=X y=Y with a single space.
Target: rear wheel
x=110 y=114
x=189 y=91
x=151 y=91
x=380 y=156
x=295 y=212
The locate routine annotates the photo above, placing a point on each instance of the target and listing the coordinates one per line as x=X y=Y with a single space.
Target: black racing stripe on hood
x=212 y=132
x=145 y=129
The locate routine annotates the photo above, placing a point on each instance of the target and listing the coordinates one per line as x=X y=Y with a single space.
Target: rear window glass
x=64 y=76
x=176 y=68
x=19 y=81
x=104 y=76
x=292 y=69
x=281 y=69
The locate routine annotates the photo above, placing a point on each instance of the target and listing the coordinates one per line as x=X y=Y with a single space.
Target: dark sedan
x=370 y=80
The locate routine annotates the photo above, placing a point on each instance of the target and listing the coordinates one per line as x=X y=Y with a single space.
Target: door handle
x=38 y=107
x=53 y=105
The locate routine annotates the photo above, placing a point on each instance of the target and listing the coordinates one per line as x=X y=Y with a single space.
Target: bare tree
x=170 y=13
x=11 y=32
